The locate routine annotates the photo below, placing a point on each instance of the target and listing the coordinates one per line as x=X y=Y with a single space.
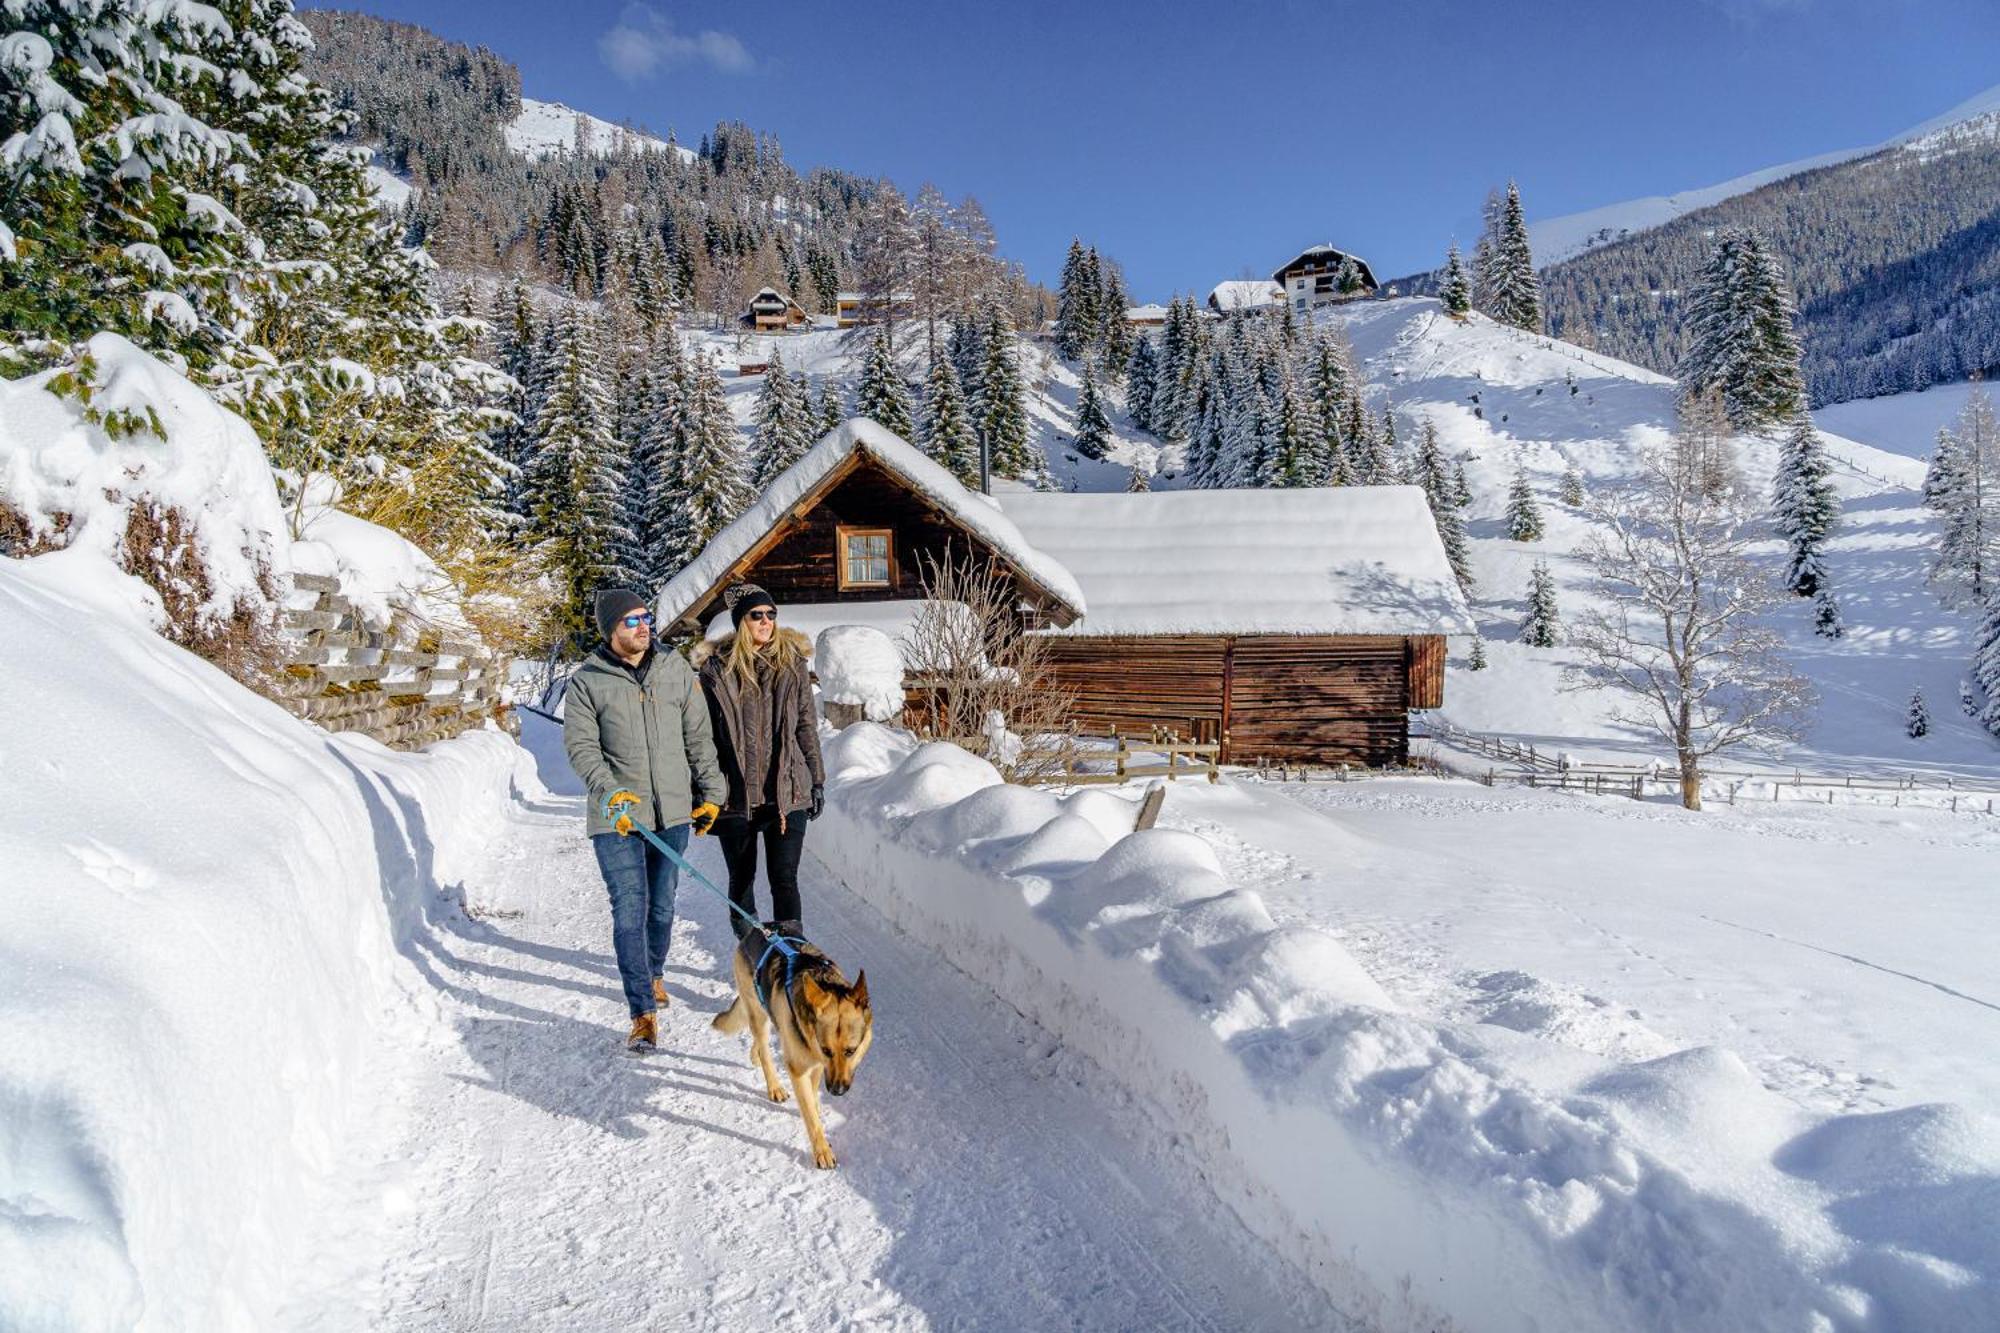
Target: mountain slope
x=1895 y=258
x=1561 y=238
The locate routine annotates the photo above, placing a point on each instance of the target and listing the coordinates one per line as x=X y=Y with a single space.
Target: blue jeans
x=641 y=883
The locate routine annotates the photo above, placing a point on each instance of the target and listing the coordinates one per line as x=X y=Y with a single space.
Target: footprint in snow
x=112 y=868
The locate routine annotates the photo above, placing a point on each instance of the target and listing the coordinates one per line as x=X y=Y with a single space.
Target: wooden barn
x=1294 y=624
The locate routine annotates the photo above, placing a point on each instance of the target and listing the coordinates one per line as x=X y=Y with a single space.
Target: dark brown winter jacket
x=765 y=734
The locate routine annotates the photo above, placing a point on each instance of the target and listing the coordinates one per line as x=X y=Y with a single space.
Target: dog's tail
x=733 y=1019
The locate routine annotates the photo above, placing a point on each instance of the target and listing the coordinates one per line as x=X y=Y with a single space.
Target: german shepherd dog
x=824 y=1025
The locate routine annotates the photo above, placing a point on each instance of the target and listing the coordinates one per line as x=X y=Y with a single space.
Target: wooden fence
x=1528 y=766
x=406 y=683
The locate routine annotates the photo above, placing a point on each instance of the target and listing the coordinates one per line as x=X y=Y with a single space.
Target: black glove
x=819 y=800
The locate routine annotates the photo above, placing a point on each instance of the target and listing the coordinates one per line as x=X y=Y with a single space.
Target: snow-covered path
x=542 y=1179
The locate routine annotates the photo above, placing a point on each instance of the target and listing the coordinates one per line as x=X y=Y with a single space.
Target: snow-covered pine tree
x=884 y=396
x=580 y=470
x=714 y=489
x=780 y=425
x=1365 y=460
x=1295 y=459
x=1003 y=414
x=1543 y=626
x=515 y=336
x=1941 y=476
x=1076 y=304
x=832 y=409
x=1461 y=485
x=1140 y=374
x=1986 y=665
x=1093 y=426
x=1455 y=288
x=1804 y=507
x=1329 y=380
x=1476 y=660
x=967 y=349
x=1524 y=512
x=1917 y=719
x=657 y=478
x=1427 y=466
x=1741 y=344
x=1138 y=480
x=1444 y=509
x=1968 y=504
x=1485 y=253
x=1570 y=492
x=1394 y=467
x=948 y=434
x=1826 y=615
x=1114 y=334
x=1517 y=293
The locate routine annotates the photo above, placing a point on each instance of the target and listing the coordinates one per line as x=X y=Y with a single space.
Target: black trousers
x=739 y=835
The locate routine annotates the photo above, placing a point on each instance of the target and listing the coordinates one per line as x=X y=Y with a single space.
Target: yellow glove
x=620 y=805
x=704 y=816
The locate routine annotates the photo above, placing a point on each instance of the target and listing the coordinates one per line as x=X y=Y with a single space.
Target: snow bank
x=75 y=464
x=379 y=570
x=208 y=915
x=1400 y=1163
x=861 y=666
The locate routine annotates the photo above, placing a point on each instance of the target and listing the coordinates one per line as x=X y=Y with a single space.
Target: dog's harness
x=785 y=946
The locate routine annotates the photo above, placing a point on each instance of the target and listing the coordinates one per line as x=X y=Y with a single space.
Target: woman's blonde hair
x=746 y=660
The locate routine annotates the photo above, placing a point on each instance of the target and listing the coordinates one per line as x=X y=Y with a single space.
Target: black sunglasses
x=760 y=615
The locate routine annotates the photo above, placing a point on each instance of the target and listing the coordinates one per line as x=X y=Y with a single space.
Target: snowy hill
x=1559 y=238
x=544 y=129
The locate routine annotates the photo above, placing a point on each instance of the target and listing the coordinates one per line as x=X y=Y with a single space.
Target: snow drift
x=1401 y=1163
x=200 y=920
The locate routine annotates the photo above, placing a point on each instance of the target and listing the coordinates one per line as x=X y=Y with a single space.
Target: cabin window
x=866 y=557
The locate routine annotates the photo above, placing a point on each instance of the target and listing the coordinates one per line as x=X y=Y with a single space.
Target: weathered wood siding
x=1320 y=698
x=1427 y=654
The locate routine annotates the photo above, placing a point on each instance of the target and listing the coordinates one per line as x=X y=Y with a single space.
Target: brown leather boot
x=660 y=991
x=645 y=1036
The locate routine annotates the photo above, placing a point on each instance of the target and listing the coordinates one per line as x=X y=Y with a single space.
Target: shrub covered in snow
x=121 y=460
x=860 y=666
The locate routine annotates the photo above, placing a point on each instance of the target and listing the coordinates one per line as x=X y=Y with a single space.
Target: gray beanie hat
x=613 y=605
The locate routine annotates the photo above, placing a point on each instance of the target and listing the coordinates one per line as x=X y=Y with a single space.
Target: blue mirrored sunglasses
x=643 y=618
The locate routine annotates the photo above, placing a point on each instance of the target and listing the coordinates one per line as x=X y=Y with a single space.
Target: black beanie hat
x=613 y=605
x=745 y=598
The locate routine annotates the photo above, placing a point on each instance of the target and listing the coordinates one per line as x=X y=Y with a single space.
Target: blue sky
x=1195 y=142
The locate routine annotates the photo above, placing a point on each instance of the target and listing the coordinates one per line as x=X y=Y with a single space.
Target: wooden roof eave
x=1057 y=607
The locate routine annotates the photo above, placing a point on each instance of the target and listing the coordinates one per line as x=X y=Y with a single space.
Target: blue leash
x=780 y=944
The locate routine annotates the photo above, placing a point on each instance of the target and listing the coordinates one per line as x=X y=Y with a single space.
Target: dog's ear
x=860 y=991
x=814 y=992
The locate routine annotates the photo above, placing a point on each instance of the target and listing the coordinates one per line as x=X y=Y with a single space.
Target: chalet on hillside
x=1322 y=275
x=1245 y=295
x=772 y=311
x=853 y=308
x=1150 y=316
x=1294 y=624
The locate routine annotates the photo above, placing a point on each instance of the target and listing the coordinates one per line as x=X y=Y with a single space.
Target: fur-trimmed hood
x=708 y=648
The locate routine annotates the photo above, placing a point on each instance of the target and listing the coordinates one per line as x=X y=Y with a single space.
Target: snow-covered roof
x=854 y=297
x=1342 y=560
x=976 y=513
x=1244 y=294
x=1153 y=313
x=1324 y=255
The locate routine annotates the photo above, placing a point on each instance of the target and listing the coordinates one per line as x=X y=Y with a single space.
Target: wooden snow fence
x=407 y=683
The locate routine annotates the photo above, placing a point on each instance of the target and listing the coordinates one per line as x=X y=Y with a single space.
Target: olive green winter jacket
x=644 y=729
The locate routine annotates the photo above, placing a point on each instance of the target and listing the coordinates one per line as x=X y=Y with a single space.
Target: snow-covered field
x=1898 y=423
x=546 y=128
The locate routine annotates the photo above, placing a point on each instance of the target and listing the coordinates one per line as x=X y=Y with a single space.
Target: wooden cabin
x=772 y=311
x=854 y=308
x=1322 y=275
x=1288 y=624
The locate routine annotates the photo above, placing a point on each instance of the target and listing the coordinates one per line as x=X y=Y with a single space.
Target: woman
x=760 y=702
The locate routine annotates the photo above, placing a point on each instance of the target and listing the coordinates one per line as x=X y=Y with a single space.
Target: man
x=635 y=727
